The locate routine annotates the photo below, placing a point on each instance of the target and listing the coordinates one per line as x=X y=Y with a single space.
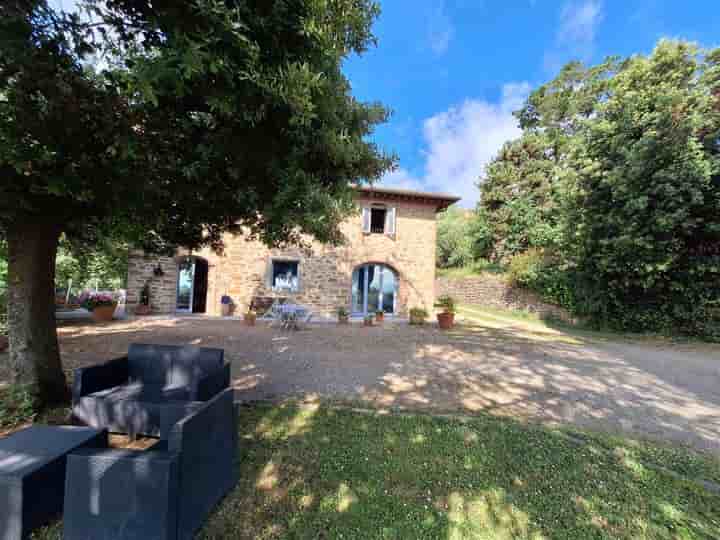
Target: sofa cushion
x=148 y=393
x=190 y=364
x=173 y=366
x=150 y=364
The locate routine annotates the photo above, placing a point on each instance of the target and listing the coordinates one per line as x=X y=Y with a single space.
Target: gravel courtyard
x=653 y=389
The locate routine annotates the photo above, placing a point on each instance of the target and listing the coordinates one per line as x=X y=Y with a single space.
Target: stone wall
x=325 y=271
x=141 y=270
x=494 y=291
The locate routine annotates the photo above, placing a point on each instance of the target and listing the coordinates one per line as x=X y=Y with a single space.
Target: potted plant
x=101 y=305
x=343 y=315
x=143 y=307
x=4 y=343
x=379 y=316
x=226 y=305
x=418 y=316
x=250 y=317
x=446 y=318
x=368 y=320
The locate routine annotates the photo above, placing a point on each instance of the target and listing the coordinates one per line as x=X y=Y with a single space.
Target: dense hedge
x=609 y=203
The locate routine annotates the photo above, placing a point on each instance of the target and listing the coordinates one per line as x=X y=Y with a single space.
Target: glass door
x=186 y=279
x=374 y=288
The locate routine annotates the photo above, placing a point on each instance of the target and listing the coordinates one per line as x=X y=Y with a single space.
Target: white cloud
x=575 y=37
x=440 y=28
x=461 y=141
x=579 y=21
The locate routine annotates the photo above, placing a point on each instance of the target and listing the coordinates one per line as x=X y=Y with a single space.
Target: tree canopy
x=617 y=178
x=169 y=123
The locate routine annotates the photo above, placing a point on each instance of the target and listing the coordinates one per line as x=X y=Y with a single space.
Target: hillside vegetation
x=609 y=202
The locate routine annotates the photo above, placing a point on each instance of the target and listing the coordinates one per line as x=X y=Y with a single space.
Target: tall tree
x=643 y=218
x=205 y=116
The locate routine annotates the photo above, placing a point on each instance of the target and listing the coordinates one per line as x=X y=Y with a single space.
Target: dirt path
x=659 y=390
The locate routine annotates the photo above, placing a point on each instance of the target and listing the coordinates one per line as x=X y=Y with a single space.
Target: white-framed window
x=284 y=275
x=378 y=219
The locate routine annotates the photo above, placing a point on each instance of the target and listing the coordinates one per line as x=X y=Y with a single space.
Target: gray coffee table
x=32 y=474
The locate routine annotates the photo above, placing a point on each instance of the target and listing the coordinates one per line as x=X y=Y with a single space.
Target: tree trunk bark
x=32 y=330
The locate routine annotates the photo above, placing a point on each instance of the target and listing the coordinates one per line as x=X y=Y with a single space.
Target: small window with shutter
x=378 y=219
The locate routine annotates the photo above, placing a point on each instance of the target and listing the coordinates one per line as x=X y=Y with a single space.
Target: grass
x=539 y=326
x=476 y=269
x=312 y=470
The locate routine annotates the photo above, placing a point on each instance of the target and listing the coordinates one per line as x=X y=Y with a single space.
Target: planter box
x=103 y=313
x=250 y=319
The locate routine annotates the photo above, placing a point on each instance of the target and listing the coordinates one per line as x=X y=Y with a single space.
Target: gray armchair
x=136 y=394
x=164 y=493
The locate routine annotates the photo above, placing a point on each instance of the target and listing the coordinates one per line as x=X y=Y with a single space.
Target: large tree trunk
x=34 y=350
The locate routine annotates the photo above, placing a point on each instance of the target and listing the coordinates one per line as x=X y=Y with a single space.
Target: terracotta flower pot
x=4 y=343
x=343 y=319
x=143 y=309
x=367 y=322
x=380 y=316
x=103 y=313
x=446 y=320
x=250 y=319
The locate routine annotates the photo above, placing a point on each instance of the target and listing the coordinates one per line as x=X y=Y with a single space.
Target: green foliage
x=546 y=275
x=642 y=219
x=3 y=287
x=101 y=265
x=17 y=405
x=447 y=303
x=418 y=315
x=243 y=105
x=617 y=179
x=524 y=268
x=519 y=196
x=463 y=237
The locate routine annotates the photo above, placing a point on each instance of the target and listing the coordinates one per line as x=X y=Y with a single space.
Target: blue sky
x=454 y=70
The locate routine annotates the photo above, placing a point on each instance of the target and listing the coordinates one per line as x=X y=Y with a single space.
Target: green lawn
x=317 y=471
x=314 y=471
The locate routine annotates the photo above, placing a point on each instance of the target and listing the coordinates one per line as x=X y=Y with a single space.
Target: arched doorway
x=374 y=288
x=192 y=285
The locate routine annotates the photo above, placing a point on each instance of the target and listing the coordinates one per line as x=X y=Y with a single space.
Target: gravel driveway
x=659 y=390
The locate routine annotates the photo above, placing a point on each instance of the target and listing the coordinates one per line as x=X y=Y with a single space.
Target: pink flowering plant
x=93 y=300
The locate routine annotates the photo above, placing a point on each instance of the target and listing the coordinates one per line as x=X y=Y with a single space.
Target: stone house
x=387 y=263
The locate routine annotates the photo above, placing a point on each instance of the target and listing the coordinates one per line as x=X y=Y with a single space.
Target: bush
x=463 y=236
x=17 y=405
x=545 y=275
x=525 y=268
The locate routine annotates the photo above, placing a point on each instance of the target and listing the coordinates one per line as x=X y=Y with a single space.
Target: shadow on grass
x=311 y=471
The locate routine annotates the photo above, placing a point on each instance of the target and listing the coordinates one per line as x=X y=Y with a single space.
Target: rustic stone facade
x=325 y=271
x=494 y=291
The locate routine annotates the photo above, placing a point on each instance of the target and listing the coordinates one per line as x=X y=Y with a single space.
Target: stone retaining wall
x=493 y=291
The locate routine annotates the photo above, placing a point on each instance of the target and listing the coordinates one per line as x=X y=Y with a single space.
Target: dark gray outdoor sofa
x=164 y=493
x=149 y=389
x=32 y=475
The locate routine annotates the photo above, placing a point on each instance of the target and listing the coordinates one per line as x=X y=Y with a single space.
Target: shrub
x=525 y=268
x=418 y=315
x=17 y=405
x=545 y=275
x=447 y=303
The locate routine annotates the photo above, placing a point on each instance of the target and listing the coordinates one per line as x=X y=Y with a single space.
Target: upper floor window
x=378 y=219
